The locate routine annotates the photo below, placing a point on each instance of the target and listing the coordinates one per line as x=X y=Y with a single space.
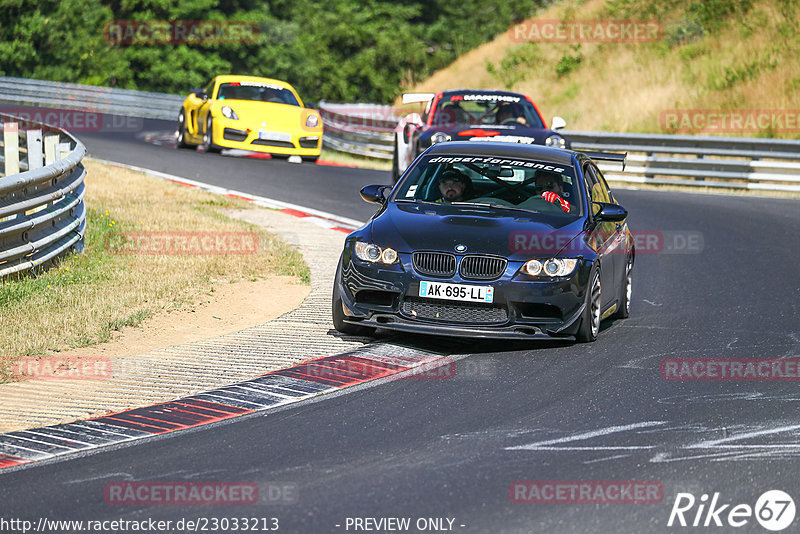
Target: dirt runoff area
x=228 y=308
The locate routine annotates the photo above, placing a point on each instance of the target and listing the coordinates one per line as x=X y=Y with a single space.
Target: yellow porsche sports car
x=250 y=113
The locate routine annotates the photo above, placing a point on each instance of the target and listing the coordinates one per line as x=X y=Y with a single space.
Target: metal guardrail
x=700 y=161
x=42 y=212
x=360 y=129
x=367 y=130
x=124 y=102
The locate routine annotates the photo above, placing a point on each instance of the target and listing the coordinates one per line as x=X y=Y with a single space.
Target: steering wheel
x=519 y=194
x=511 y=196
x=509 y=121
x=491 y=200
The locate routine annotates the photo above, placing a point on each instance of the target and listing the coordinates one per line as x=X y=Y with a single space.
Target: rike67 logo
x=774 y=510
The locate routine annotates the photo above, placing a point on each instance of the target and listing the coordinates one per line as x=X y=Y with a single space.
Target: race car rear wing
x=412 y=98
x=606 y=156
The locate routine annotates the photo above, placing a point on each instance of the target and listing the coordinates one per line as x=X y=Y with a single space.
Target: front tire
x=180 y=139
x=624 y=306
x=208 y=137
x=590 y=319
x=338 y=314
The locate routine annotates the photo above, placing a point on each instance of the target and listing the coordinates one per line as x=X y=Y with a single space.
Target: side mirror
x=558 y=123
x=199 y=93
x=374 y=193
x=610 y=212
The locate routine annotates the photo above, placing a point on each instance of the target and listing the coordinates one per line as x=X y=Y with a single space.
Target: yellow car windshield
x=257 y=91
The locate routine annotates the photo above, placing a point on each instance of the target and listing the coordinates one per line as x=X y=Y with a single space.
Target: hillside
x=714 y=55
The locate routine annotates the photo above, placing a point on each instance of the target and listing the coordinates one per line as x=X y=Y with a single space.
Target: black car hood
x=409 y=227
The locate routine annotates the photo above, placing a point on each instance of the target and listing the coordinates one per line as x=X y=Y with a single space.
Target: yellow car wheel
x=208 y=137
x=180 y=137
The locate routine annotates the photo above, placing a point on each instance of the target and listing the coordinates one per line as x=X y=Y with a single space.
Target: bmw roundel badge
x=461 y=248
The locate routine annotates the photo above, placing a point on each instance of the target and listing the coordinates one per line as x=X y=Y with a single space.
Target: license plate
x=274 y=136
x=441 y=290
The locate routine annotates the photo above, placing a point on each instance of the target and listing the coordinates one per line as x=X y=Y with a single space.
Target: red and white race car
x=471 y=114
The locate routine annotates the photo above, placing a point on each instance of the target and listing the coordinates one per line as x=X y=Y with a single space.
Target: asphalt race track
x=327 y=188
x=723 y=282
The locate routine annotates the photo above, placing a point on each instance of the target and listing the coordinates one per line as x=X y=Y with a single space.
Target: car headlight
x=439 y=137
x=372 y=253
x=312 y=121
x=556 y=141
x=533 y=267
x=228 y=113
x=554 y=267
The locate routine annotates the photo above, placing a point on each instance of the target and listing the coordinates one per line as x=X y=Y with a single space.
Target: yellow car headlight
x=228 y=113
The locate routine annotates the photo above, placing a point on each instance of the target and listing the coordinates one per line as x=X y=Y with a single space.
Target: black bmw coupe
x=489 y=240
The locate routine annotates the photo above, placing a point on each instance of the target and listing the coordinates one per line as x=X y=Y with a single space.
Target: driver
x=453 y=185
x=510 y=112
x=549 y=181
x=550 y=186
x=452 y=113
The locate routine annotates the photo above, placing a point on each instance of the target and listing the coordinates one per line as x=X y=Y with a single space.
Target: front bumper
x=387 y=297
x=229 y=133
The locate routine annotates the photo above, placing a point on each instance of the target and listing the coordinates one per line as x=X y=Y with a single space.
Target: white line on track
x=542 y=445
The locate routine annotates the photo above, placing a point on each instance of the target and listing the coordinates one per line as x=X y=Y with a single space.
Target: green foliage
x=515 y=65
x=340 y=50
x=59 y=40
x=569 y=63
x=712 y=14
x=701 y=16
x=726 y=77
x=692 y=51
x=687 y=31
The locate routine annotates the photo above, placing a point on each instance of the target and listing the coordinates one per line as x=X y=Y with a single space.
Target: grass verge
x=343 y=158
x=85 y=297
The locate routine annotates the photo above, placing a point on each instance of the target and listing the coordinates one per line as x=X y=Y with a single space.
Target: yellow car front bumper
x=230 y=133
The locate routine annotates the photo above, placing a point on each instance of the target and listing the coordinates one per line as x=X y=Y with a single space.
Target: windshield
x=486 y=109
x=526 y=185
x=258 y=91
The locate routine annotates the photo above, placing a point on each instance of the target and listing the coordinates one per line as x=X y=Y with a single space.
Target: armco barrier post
x=11 y=148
